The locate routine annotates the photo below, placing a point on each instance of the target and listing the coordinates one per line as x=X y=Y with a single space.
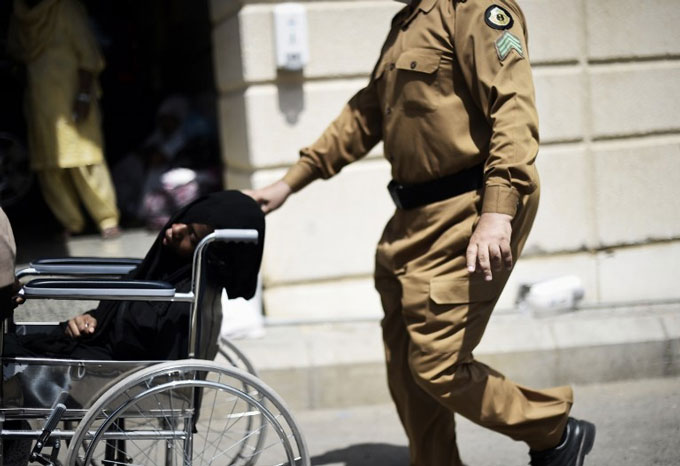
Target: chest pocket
x=416 y=82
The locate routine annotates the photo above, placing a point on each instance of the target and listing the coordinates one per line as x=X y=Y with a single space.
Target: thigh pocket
x=459 y=290
x=416 y=85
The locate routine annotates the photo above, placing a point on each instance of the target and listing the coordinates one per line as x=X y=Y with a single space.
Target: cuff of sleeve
x=500 y=200
x=299 y=176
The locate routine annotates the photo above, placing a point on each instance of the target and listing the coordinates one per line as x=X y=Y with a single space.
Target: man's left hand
x=489 y=248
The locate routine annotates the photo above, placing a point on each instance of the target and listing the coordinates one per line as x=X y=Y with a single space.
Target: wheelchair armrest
x=80 y=266
x=98 y=289
x=236 y=235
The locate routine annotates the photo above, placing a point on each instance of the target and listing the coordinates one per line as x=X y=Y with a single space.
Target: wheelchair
x=185 y=412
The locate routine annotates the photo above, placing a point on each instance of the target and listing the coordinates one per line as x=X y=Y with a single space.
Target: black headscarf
x=159 y=330
x=232 y=266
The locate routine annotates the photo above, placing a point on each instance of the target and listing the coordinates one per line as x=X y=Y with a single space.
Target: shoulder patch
x=498 y=17
x=506 y=43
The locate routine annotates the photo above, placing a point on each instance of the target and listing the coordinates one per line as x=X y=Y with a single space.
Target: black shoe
x=576 y=443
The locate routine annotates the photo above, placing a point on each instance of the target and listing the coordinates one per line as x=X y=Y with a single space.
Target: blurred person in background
x=53 y=39
x=178 y=162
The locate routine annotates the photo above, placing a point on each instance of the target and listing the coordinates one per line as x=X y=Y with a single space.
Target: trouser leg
x=429 y=425
x=442 y=337
x=94 y=185
x=61 y=197
x=446 y=316
x=422 y=278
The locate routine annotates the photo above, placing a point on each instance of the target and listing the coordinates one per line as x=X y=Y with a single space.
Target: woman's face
x=182 y=238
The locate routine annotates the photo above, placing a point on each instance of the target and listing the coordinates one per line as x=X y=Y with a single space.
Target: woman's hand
x=489 y=248
x=83 y=324
x=271 y=197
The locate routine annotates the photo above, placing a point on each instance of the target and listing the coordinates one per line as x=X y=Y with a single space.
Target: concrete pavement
x=638 y=424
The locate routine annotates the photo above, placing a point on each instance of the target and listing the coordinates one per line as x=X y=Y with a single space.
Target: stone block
x=345 y=37
x=227 y=53
x=629 y=29
x=244 y=47
x=672 y=366
x=329 y=229
x=344 y=386
x=636 y=192
x=561 y=103
x=538 y=268
x=555 y=30
x=221 y=9
x=233 y=132
x=515 y=334
x=573 y=331
x=642 y=273
x=633 y=99
x=344 y=40
x=294 y=385
x=530 y=368
x=342 y=299
x=565 y=219
x=266 y=126
x=608 y=363
x=671 y=324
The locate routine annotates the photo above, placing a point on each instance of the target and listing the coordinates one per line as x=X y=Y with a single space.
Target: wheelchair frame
x=143 y=412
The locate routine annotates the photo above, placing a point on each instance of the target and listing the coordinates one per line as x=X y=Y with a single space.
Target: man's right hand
x=271 y=197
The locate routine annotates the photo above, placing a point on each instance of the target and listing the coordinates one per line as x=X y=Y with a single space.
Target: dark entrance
x=153 y=49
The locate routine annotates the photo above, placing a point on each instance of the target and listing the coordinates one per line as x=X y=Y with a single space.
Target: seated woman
x=143 y=330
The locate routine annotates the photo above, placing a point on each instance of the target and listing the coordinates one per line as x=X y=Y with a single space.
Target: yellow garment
x=63 y=189
x=53 y=39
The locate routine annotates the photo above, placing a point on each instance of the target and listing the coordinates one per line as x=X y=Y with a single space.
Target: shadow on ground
x=365 y=454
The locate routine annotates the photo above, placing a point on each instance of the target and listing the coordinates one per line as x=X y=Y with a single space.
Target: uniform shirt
x=452 y=88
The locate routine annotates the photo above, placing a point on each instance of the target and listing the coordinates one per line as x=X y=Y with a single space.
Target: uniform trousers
x=435 y=316
x=65 y=188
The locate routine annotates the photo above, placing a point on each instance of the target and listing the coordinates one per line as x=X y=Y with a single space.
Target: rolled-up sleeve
x=348 y=138
x=496 y=68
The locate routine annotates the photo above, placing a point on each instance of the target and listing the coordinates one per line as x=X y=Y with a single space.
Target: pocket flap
x=421 y=60
x=473 y=289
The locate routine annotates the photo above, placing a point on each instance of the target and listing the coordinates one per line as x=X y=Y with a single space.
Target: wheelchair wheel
x=150 y=418
x=235 y=357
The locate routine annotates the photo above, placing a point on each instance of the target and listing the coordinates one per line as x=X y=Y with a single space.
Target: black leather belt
x=410 y=196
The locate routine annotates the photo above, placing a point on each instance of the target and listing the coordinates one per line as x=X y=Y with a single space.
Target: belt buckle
x=393 y=187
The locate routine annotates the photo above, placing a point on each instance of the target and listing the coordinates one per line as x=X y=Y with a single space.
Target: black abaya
x=143 y=330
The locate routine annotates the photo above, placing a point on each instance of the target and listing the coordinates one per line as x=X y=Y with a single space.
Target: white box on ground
x=551 y=296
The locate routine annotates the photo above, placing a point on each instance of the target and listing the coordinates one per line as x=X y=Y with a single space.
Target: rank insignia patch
x=506 y=43
x=498 y=17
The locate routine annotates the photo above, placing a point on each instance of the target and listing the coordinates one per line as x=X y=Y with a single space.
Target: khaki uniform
x=452 y=89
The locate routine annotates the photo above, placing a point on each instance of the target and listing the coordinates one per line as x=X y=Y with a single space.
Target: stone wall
x=607 y=74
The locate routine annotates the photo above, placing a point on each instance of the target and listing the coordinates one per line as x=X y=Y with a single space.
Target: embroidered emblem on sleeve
x=506 y=43
x=498 y=17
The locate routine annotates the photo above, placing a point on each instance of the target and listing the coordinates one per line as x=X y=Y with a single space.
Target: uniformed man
x=452 y=98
